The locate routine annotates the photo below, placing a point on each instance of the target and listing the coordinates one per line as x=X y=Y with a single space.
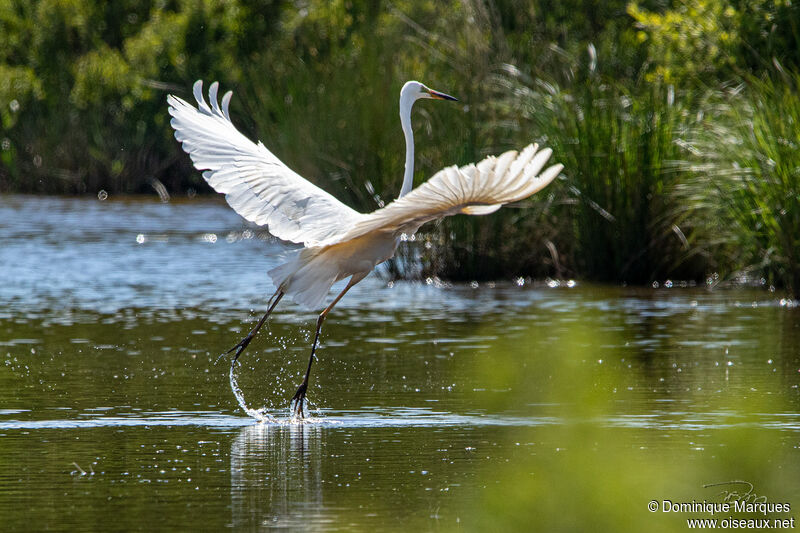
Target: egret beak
x=436 y=95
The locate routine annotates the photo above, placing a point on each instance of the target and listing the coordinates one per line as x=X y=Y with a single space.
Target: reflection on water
x=276 y=476
x=489 y=408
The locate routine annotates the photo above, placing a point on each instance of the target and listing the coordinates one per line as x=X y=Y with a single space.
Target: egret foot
x=298 y=399
x=239 y=348
x=246 y=341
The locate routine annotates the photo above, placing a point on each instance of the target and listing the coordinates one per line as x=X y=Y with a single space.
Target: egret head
x=414 y=90
x=410 y=93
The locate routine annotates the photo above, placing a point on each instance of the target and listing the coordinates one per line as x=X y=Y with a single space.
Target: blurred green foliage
x=696 y=38
x=620 y=89
x=620 y=428
x=83 y=104
x=717 y=38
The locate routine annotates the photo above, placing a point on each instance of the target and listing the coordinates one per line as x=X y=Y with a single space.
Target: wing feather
x=473 y=189
x=256 y=183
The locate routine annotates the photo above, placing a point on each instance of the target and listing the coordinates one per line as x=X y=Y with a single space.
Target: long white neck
x=405 y=121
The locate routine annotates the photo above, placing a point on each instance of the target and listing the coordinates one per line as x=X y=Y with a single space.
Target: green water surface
x=501 y=407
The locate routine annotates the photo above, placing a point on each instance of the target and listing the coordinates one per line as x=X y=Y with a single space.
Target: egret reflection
x=276 y=475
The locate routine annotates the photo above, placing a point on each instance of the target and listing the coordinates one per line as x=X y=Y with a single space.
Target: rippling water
x=496 y=407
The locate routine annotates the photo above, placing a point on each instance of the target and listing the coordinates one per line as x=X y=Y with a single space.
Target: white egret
x=338 y=242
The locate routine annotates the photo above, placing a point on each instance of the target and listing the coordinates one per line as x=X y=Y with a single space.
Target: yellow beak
x=436 y=95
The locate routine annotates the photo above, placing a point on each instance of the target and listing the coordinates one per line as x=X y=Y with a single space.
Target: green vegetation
x=752 y=161
x=618 y=143
x=668 y=171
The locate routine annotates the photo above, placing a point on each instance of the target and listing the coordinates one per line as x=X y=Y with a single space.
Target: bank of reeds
x=660 y=181
x=619 y=214
x=749 y=158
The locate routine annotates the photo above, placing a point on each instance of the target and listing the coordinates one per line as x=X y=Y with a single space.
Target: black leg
x=300 y=396
x=246 y=341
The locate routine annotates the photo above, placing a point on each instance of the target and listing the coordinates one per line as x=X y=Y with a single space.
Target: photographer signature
x=735 y=494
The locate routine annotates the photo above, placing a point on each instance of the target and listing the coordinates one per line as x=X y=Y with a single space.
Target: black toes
x=298 y=399
x=240 y=347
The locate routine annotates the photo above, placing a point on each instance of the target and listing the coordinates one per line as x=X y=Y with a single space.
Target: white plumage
x=257 y=184
x=339 y=242
x=472 y=190
x=265 y=191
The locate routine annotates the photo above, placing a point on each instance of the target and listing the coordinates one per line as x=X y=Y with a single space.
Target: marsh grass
x=659 y=182
x=617 y=215
x=751 y=163
x=620 y=145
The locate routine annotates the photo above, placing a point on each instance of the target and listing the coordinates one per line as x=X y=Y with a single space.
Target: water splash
x=259 y=414
x=262 y=415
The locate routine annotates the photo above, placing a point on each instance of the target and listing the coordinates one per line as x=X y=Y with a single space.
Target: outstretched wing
x=256 y=183
x=473 y=190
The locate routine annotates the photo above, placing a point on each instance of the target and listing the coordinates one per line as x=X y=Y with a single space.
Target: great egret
x=338 y=242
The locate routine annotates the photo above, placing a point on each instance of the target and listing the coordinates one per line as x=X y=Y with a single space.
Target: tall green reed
x=751 y=155
x=619 y=145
